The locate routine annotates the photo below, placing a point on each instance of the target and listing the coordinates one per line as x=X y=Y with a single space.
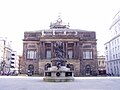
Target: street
x=80 y=83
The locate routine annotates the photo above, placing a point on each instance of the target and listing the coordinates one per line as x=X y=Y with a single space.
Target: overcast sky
x=17 y=16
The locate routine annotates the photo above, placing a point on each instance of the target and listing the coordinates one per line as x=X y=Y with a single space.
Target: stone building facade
x=101 y=65
x=79 y=47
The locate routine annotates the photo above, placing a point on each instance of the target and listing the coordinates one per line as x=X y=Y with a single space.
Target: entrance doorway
x=88 y=70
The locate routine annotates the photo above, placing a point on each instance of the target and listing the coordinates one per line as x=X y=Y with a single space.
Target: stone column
x=52 y=49
x=25 y=51
x=42 y=50
x=38 y=51
x=24 y=66
x=64 y=48
x=66 y=51
x=81 y=59
x=74 y=51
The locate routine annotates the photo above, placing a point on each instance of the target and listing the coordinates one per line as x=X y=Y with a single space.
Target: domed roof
x=58 y=24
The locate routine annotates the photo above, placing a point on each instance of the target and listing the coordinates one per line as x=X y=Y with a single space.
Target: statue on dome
x=59 y=24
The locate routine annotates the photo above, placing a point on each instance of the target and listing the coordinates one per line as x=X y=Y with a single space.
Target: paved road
x=80 y=83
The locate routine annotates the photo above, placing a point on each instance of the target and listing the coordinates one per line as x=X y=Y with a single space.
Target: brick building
x=79 y=46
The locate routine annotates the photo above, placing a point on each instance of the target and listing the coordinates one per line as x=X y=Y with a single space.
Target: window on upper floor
x=116 y=56
x=87 y=54
x=112 y=43
x=117 y=40
x=13 y=54
x=12 y=58
x=47 y=45
x=106 y=47
x=103 y=62
x=99 y=63
x=12 y=62
x=107 y=57
x=12 y=67
x=70 y=54
x=119 y=55
x=113 y=56
x=113 y=49
x=70 y=45
x=31 y=54
x=48 y=53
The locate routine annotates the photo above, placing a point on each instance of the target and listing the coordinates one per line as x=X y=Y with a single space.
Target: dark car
x=29 y=73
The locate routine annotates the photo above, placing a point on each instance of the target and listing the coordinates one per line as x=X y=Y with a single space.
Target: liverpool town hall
x=80 y=48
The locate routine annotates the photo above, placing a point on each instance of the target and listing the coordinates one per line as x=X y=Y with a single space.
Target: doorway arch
x=87 y=70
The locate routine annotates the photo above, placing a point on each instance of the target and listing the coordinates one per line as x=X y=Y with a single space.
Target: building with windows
x=5 y=55
x=79 y=47
x=101 y=65
x=14 y=63
x=112 y=48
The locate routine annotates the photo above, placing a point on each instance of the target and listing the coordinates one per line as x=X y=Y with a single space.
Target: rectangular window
x=48 y=54
x=70 y=54
x=47 y=45
x=116 y=56
x=119 y=55
x=103 y=62
x=99 y=62
x=12 y=62
x=12 y=67
x=107 y=57
x=113 y=56
x=117 y=40
x=12 y=58
x=13 y=54
x=87 y=55
x=31 y=54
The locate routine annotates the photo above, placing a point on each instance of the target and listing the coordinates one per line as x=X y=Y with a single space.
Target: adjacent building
x=5 y=55
x=79 y=48
x=112 y=48
x=14 y=63
x=8 y=57
x=101 y=65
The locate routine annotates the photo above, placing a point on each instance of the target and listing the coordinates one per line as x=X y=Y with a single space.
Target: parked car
x=29 y=73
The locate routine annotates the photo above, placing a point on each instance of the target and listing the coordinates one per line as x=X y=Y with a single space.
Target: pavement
x=80 y=83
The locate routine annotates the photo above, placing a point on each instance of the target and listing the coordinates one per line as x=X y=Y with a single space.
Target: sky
x=18 y=16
